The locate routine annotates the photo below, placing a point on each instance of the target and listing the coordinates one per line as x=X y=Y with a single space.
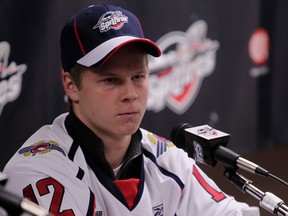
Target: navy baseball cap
x=93 y=34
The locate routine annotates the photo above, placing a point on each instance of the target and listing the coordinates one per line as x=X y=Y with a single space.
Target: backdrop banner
x=224 y=64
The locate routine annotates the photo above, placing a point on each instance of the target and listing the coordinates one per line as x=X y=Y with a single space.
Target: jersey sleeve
x=200 y=195
x=34 y=176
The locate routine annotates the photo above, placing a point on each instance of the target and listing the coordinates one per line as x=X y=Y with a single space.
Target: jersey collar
x=93 y=148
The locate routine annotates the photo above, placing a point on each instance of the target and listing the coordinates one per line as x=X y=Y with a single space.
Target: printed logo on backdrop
x=176 y=76
x=10 y=76
x=258 y=48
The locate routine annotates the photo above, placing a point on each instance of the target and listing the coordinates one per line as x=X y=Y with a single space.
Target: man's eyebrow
x=104 y=72
x=107 y=74
x=111 y=73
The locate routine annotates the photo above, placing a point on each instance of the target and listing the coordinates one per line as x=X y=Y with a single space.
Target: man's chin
x=129 y=128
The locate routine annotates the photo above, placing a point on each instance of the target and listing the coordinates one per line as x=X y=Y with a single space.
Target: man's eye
x=138 y=77
x=110 y=80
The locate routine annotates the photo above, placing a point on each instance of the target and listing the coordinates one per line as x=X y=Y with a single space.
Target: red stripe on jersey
x=129 y=189
x=216 y=195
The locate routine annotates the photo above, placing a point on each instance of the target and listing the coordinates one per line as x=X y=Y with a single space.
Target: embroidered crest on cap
x=111 y=20
x=41 y=147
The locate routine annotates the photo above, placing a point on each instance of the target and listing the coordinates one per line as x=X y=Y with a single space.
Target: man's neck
x=115 y=149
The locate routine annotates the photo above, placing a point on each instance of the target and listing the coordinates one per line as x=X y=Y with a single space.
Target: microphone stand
x=268 y=201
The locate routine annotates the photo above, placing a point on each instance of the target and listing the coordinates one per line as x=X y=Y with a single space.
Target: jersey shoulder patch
x=40 y=148
x=161 y=143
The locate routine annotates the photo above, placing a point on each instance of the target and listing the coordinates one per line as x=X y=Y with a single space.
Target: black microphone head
x=177 y=135
x=199 y=142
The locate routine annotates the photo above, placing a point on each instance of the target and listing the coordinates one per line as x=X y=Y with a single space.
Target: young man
x=95 y=160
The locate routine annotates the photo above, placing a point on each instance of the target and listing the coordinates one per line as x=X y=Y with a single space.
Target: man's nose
x=129 y=92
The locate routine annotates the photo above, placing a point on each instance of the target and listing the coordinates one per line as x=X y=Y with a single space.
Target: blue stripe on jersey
x=91 y=206
x=80 y=174
x=162 y=170
x=72 y=151
x=161 y=147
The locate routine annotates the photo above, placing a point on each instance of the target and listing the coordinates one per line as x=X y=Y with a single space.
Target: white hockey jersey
x=62 y=168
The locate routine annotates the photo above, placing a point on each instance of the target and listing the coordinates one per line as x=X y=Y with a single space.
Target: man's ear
x=70 y=88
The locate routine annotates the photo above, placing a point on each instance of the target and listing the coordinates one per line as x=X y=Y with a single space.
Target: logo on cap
x=111 y=20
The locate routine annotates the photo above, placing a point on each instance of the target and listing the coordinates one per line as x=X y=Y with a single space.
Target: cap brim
x=106 y=49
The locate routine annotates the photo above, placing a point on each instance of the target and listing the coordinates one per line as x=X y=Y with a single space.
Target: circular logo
x=259 y=46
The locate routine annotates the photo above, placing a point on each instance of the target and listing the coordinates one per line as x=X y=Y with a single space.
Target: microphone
x=207 y=145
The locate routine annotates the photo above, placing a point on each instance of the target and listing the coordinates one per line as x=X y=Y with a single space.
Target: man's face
x=113 y=97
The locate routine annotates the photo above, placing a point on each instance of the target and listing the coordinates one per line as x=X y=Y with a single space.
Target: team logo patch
x=111 y=20
x=155 y=139
x=41 y=147
x=161 y=143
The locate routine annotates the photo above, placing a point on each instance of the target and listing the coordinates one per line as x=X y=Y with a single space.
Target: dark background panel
x=252 y=109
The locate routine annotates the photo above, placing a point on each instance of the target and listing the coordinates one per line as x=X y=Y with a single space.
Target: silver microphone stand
x=268 y=200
